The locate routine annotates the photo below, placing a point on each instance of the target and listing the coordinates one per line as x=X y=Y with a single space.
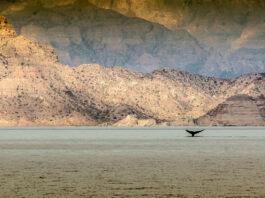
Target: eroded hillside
x=36 y=89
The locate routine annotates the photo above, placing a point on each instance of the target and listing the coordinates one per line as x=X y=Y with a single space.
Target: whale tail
x=193 y=133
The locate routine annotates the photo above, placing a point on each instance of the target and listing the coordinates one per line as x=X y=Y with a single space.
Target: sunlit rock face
x=6 y=29
x=220 y=38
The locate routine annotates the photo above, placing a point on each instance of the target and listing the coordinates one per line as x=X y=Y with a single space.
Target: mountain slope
x=36 y=89
x=237 y=110
x=232 y=30
x=82 y=33
x=212 y=22
x=220 y=38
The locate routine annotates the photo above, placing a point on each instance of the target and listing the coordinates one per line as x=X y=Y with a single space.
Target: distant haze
x=220 y=38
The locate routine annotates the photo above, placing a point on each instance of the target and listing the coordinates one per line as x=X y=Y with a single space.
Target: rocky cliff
x=36 y=89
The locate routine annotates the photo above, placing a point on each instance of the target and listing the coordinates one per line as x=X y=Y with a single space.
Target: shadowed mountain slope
x=232 y=30
x=82 y=33
x=220 y=38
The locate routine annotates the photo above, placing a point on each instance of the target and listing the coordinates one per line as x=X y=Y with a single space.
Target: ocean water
x=132 y=162
x=120 y=133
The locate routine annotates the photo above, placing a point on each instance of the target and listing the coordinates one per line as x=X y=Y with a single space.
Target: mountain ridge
x=37 y=90
x=212 y=38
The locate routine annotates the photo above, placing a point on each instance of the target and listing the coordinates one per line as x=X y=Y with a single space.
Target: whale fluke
x=193 y=133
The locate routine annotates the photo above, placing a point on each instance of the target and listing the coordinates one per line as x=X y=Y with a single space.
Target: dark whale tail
x=193 y=133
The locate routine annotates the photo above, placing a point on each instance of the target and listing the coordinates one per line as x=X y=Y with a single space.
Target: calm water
x=132 y=162
x=148 y=133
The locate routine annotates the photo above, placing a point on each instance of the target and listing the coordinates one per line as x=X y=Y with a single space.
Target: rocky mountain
x=236 y=110
x=219 y=38
x=233 y=31
x=36 y=89
x=82 y=33
x=213 y=22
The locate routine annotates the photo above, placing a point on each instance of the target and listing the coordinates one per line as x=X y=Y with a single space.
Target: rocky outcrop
x=6 y=29
x=36 y=89
x=235 y=111
x=132 y=120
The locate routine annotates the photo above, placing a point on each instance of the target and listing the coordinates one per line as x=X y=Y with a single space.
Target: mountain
x=233 y=31
x=82 y=33
x=36 y=89
x=29 y=80
x=218 y=38
x=213 y=22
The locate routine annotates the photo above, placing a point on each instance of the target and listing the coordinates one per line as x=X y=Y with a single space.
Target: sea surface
x=132 y=162
x=25 y=133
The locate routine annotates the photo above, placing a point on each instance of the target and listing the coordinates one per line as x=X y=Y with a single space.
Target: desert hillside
x=36 y=89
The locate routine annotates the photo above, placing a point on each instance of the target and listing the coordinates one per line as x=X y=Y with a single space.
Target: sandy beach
x=131 y=164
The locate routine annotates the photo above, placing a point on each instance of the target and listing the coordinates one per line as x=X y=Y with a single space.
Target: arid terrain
x=36 y=89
